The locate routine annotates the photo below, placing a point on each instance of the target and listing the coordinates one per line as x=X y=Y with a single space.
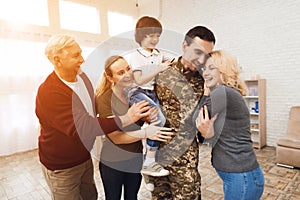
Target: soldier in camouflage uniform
x=179 y=89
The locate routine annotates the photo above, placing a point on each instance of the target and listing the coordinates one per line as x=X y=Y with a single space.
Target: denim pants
x=243 y=186
x=137 y=94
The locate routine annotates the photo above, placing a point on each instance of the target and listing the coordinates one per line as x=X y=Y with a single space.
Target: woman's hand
x=205 y=125
x=154 y=132
x=206 y=90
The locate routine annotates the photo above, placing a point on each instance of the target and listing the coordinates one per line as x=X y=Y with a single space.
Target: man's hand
x=139 y=110
x=135 y=112
x=153 y=115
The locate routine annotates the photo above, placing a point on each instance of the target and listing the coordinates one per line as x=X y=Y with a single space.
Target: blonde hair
x=105 y=84
x=227 y=64
x=57 y=44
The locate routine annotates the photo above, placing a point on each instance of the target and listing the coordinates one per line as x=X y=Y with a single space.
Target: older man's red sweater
x=67 y=131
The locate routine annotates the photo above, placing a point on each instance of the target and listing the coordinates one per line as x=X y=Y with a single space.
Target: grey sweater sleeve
x=217 y=100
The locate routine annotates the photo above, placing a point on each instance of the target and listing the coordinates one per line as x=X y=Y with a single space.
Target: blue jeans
x=137 y=94
x=243 y=186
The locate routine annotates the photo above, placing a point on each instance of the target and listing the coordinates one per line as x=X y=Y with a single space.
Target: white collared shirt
x=142 y=60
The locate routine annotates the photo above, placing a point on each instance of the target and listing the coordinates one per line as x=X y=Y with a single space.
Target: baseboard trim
x=284 y=165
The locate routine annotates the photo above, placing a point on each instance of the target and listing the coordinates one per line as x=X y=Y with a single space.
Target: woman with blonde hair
x=121 y=155
x=228 y=130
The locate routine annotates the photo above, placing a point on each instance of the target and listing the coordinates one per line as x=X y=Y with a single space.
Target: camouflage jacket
x=179 y=92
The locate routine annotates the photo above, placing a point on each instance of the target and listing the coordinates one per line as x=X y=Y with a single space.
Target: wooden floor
x=21 y=178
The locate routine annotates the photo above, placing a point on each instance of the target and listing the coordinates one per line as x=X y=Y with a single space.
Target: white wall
x=263 y=34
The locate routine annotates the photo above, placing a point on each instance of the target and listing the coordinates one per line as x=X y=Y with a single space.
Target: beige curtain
x=23 y=68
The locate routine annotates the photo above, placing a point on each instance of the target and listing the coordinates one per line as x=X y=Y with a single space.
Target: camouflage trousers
x=184 y=180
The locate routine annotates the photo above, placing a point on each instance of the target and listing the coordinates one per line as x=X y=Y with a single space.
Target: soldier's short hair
x=201 y=32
